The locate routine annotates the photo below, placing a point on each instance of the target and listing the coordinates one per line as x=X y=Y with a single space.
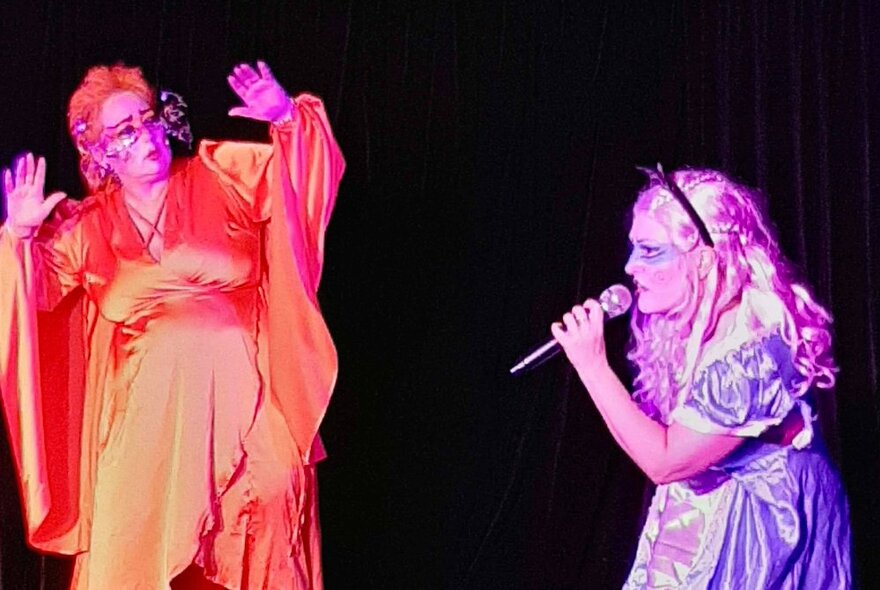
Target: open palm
x=263 y=97
x=26 y=207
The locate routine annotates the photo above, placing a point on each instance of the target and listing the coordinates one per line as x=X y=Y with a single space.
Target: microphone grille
x=615 y=300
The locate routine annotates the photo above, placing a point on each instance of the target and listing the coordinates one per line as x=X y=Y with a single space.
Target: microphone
x=614 y=301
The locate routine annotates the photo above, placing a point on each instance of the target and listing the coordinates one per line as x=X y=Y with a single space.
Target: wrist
x=593 y=375
x=286 y=116
x=20 y=232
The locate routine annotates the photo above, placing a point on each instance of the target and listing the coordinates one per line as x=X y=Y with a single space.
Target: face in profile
x=657 y=267
x=133 y=141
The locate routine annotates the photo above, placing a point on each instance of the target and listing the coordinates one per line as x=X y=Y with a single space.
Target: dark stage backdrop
x=491 y=155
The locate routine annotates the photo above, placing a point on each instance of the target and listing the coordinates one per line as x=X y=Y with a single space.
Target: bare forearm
x=16 y=233
x=664 y=453
x=640 y=437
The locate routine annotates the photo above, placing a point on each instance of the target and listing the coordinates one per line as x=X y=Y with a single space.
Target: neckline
x=152 y=225
x=135 y=245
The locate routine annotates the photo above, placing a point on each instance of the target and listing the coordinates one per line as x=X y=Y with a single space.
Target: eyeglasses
x=121 y=140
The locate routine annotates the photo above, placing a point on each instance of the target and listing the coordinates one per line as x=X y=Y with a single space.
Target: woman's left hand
x=582 y=336
x=263 y=97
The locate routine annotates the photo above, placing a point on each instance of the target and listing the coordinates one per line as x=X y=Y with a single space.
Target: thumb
x=52 y=200
x=239 y=112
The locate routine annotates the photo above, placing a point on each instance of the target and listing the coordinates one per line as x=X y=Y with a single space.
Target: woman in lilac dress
x=729 y=350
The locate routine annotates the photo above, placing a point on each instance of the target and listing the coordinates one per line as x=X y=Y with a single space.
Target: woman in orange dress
x=164 y=363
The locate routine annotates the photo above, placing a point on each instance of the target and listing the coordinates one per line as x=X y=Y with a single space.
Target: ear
x=705 y=261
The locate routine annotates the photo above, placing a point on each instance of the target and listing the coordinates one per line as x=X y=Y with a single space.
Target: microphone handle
x=538 y=356
x=614 y=300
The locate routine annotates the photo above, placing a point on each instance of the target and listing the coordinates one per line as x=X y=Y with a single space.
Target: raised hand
x=26 y=207
x=263 y=97
x=582 y=336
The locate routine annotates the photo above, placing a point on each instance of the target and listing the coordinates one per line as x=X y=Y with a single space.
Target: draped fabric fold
x=44 y=372
x=305 y=171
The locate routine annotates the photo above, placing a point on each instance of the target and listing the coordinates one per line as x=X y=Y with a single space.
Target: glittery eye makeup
x=652 y=254
x=128 y=131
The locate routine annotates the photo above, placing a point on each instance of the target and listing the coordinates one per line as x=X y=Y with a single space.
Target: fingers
x=30 y=168
x=580 y=333
x=595 y=321
x=248 y=73
x=582 y=318
x=263 y=97
x=245 y=74
x=7 y=182
x=583 y=315
x=241 y=78
x=39 y=179
x=568 y=329
x=571 y=324
x=594 y=309
x=265 y=72
x=236 y=85
x=26 y=170
x=558 y=331
x=28 y=179
x=19 y=171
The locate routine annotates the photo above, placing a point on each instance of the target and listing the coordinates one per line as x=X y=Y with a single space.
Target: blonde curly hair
x=749 y=270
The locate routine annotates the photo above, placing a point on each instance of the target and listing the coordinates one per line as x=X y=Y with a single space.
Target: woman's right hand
x=26 y=207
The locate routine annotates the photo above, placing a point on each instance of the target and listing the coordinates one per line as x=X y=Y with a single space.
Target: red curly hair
x=84 y=110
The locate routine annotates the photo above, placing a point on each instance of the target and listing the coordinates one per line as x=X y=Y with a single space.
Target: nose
x=142 y=133
x=150 y=132
x=153 y=136
x=632 y=266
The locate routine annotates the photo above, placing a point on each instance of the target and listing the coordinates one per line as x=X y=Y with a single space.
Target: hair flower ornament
x=172 y=114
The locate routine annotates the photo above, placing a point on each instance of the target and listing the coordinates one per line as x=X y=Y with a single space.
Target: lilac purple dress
x=768 y=516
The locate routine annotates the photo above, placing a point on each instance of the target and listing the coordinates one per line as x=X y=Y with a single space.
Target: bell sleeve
x=42 y=374
x=290 y=188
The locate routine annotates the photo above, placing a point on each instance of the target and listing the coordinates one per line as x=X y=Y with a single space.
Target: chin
x=644 y=308
x=157 y=169
x=649 y=305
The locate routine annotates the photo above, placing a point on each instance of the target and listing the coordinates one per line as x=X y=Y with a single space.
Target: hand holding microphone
x=583 y=327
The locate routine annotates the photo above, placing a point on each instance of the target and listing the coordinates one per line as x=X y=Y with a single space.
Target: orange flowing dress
x=164 y=413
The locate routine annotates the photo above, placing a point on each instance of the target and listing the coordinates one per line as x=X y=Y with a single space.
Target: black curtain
x=491 y=153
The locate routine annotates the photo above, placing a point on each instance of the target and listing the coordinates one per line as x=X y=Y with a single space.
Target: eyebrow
x=127 y=119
